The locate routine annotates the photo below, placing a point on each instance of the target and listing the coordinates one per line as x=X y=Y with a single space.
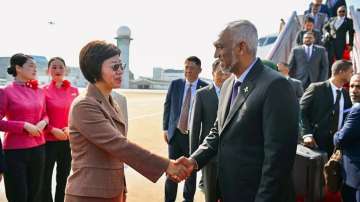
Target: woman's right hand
x=32 y=129
x=59 y=134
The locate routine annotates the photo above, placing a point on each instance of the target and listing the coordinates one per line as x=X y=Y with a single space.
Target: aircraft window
x=261 y=41
x=271 y=40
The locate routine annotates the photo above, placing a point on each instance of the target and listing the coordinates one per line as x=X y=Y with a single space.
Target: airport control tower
x=123 y=38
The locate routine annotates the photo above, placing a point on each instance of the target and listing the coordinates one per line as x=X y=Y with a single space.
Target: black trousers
x=56 y=152
x=179 y=146
x=335 y=49
x=349 y=194
x=209 y=172
x=24 y=174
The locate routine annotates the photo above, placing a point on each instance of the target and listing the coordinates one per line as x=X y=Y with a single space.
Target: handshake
x=181 y=168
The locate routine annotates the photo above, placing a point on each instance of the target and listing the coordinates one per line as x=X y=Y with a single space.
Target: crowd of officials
x=241 y=130
x=319 y=71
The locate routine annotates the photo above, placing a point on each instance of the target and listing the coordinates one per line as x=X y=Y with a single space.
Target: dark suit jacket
x=202 y=120
x=203 y=115
x=300 y=36
x=316 y=106
x=173 y=103
x=339 y=35
x=313 y=70
x=348 y=138
x=297 y=87
x=99 y=149
x=255 y=149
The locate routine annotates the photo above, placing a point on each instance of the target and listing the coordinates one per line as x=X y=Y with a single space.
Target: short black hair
x=340 y=66
x=215 y=65
x=92 y=55
x=195 y=60
x=56 y=58
x=309 y=19
x=310 y=32
x=17 y=59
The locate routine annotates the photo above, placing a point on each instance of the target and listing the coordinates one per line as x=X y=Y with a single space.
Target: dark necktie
x=235 y=92
x=335 y=113
x=184 y=115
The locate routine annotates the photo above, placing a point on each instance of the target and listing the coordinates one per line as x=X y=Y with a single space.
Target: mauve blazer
x=99 y=148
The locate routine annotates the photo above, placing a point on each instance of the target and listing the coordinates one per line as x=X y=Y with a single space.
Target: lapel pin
x=246 y=89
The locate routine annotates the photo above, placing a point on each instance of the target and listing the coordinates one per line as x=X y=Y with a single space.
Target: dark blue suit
x=178 y=143
x=348 y=138
x=173 y=103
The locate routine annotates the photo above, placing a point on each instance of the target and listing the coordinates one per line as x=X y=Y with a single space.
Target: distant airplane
x=51 y=23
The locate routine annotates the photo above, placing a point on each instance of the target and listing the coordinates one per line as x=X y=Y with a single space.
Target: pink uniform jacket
x=20 y=104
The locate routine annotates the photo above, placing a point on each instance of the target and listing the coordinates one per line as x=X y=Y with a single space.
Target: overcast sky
x=165 y=32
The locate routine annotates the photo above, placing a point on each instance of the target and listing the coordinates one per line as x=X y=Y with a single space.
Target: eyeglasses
x=116 y=67
x=342 y=11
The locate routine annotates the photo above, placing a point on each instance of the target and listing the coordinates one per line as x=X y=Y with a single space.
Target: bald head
x=355 y=88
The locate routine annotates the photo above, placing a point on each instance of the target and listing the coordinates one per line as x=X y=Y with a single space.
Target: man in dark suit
x=322 y=107
x=348 y=139
x=202 y=120
x=323 y=8
x=308 y=63
x=319 y=18
x=177 y=108
x=308 y=27
x=335 y=31
x=255 y=150
x=296 y=84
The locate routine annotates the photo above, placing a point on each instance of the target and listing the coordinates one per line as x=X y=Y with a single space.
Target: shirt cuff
x=196 y=166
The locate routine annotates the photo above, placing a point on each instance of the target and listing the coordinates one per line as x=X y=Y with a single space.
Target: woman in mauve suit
x=98 y=142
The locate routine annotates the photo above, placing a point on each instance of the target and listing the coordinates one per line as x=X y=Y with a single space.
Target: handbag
x=332 y=172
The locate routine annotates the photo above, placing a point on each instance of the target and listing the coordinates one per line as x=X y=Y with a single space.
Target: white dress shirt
x=308 y=50
x=338 y=22
x=217 y=89
x=193 y=92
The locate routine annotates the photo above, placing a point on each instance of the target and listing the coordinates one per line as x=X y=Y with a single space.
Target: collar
x=19 y=83
x=333 y=87
x=65 y=84
x=308 y=46
x=246 y=72
x=217 y=88
x=340 y=18
x=193 y=83
x=33 y=84
x=93 y=91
